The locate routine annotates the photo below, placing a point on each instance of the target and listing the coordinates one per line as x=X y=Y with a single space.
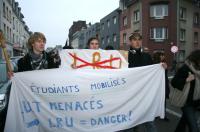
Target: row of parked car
x=5 y=86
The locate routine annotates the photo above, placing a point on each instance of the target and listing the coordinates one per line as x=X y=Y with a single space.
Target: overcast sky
x=54 y=17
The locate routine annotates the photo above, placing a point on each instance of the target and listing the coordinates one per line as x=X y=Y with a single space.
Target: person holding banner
x=93 y=43
x=136 y=55
x=136 y=58
x=189 y=73
x=37 y=58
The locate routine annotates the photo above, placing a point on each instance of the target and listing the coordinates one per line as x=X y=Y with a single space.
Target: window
x=125 y=21
x=108 y=23
x=13 y=38
x=183 y=13
x=114 y=20
x=10 y=16
x=182 y=34
x=13 y=23
x=181 y=56
x=4 y=28
x=136 y=16
x=4 y=10
x=8 y=33
x=17 y=26
x=124 y=38
x=102 y=41
x=196 y=18
x=17 y=39
x=108 y=39
x=114 y=38
x=159 y=33
x=102 y=26
x=124 y=5
x=196 y=39
x=7 y=13
x=159 y=11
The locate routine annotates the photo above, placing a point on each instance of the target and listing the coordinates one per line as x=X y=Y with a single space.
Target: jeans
x=188 y=118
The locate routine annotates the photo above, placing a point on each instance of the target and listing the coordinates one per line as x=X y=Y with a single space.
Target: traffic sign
x=174 y=49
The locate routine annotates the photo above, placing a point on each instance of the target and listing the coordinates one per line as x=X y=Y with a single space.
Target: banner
x=93 y=59
x=61 y=100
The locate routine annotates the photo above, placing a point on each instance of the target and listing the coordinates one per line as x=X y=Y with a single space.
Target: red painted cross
x=96 y=64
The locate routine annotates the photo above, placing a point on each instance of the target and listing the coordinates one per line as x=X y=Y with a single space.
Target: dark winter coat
x=137 y=58
x=24 y=64
x=179 y=81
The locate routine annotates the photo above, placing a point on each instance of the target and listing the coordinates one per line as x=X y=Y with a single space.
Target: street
x=174 y=114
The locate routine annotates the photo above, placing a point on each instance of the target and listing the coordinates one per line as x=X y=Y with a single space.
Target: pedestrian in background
x=37 y=58
x=189 y=73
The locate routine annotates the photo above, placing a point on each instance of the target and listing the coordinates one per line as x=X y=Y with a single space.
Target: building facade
x=109 y=31
x=188 y=28
x=93 y=30
x=15 y=29
x=162 y=23
x=80 y=38
x=77 y=26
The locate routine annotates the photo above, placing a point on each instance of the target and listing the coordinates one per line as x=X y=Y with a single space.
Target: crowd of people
x=38 y=59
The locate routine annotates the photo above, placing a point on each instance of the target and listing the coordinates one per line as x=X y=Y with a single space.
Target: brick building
x=162 y=23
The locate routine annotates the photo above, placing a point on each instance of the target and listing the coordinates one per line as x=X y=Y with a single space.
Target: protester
x=93 y=43
x=136 y=58
x=159 y=57
x=189 y=73
x=37 y=58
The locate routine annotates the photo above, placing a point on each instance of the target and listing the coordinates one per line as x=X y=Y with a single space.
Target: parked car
x=5 y=86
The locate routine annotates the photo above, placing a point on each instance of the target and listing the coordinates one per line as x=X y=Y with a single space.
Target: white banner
x=92 y=59
x=61 y=100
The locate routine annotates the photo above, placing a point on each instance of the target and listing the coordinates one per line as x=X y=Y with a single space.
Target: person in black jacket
x=188 y=73
x=136 y=58
x=37 y=58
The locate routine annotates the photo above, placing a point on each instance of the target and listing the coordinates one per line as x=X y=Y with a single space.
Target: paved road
x=174 y=115
x=167 y=126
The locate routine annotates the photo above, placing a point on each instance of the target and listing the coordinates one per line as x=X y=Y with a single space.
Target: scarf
x=38 y=62
x=136 y=51
x=196 y=94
